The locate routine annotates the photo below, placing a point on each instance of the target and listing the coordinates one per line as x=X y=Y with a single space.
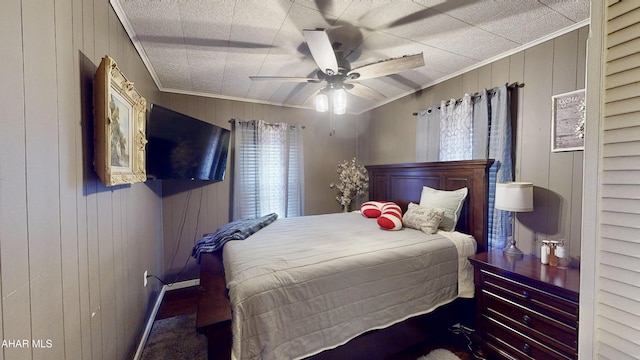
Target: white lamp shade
x=514 y=196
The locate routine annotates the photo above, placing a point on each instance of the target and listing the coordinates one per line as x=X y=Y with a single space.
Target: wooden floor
x=184 y=301
x=178 y=302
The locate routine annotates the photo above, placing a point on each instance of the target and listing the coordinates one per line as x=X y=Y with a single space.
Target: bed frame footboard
x=213 y=318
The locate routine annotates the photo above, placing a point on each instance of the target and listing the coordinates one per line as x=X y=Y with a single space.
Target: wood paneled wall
x=72 y=251
x=191 y=209
x=553 y=67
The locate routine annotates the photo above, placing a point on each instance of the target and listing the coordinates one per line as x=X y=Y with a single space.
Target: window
x=269 y=170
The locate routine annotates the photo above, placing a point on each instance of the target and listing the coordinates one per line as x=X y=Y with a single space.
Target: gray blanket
x=235 y=230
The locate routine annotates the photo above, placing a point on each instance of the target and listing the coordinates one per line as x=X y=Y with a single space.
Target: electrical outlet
x=145 y=278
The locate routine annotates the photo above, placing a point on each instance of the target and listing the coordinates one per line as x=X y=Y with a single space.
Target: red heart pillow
x=391 y=217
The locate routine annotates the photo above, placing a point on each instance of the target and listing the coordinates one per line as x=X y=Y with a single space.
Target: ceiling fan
x=336 y=71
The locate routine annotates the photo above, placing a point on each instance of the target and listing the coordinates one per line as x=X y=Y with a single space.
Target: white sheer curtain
x=456 y=129
x=268 y=170
x=477 y=127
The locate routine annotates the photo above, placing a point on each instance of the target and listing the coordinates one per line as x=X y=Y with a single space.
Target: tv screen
x=181 y=147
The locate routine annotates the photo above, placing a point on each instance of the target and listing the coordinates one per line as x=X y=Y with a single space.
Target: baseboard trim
x=152 y=317
x=156 y=307
x=183 y=284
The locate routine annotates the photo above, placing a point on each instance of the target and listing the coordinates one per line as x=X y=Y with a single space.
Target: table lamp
x=514 y=197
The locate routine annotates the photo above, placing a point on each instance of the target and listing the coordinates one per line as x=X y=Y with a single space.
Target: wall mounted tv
x=181 y=147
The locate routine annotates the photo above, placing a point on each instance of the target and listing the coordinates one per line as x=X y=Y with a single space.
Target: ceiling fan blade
x=388 y=67
x=321 y=50
x=417 y=16
x=365 y=92
x=422 y=15
x=285 y=79
x=204 y=42
x=323 y=7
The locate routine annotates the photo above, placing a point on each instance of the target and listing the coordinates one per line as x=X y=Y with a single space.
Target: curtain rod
x=509 y=86
x=232 y=120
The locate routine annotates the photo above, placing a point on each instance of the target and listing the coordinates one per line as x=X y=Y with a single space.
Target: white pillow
x=422 y=218
x=450 y=201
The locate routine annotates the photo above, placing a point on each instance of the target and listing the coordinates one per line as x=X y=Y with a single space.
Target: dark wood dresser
x=526 y=310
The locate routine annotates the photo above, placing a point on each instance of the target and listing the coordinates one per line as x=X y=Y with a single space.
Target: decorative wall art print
x=119 y=127
x=568 y=122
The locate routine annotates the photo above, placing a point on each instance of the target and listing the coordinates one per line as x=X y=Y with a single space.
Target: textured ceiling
x=211 y=47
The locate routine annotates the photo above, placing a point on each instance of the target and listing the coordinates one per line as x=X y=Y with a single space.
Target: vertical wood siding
x=550 y=68
x=72 y=251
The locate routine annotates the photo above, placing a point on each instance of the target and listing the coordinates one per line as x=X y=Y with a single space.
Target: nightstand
x=526 y=310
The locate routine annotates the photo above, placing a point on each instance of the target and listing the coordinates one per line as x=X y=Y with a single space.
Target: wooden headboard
x=402 y=183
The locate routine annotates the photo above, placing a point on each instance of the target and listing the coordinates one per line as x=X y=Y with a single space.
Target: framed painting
x=119 y=127
x=568 y=121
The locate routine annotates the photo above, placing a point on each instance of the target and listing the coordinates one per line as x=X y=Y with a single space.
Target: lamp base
x=512 y=251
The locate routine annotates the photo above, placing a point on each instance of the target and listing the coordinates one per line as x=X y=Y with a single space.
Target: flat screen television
x=181 y=147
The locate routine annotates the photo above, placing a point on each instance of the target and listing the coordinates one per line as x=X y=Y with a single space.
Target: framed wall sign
x=568 y=121
x=119 y=127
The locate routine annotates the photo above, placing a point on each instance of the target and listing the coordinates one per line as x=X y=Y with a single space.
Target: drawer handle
x=525 y=294
x=526 y=349
x=526 y=320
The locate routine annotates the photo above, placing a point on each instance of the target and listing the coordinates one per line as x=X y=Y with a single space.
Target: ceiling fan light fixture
x=339 y=101
x=321 y=102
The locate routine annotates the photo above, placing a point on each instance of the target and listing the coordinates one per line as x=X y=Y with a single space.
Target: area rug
x=175 y=338
x=439 y=354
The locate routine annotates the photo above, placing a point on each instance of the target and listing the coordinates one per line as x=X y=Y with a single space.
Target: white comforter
x=303 y=285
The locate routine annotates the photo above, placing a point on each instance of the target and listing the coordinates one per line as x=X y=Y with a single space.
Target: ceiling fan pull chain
x=332 y=122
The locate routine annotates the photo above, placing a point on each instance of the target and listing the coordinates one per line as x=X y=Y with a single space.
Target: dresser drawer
x=547 y=330
x=519 y=345
x=553 y=306
x=525 y=310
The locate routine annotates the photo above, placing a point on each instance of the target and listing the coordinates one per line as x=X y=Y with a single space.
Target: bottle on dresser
x=544 y=252
x=561 y=253
x=553 y=258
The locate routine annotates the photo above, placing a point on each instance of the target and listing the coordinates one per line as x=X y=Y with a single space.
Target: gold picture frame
x=119 y=127
x=567 y=125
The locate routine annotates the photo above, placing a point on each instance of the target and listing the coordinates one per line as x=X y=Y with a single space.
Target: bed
x=354 y=303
